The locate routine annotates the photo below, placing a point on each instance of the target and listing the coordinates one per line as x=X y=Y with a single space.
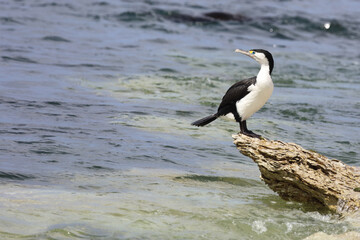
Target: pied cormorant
x=247 y=96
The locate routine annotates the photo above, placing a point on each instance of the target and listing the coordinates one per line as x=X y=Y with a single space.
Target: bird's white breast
x=258 y=95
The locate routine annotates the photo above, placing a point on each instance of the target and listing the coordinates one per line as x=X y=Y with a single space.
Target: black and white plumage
x=247 y=96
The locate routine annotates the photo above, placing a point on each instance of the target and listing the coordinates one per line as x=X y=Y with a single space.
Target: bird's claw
x=251 y=134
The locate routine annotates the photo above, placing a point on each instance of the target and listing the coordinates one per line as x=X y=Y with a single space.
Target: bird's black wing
x=234 y=94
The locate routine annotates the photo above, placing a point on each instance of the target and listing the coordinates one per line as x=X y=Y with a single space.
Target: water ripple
x=55 y=39
x=15 y=176
x=18 y=59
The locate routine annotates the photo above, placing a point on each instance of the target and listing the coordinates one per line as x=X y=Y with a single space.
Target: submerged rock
x=223 y=16
x=344 y=236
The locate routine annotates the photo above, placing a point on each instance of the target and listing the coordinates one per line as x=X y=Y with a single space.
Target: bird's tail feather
x=204 y=121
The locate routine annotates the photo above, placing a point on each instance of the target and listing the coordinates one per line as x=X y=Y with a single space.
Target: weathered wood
x=301 y=175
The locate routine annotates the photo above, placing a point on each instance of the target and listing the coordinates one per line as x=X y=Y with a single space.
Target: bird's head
x=263 y=57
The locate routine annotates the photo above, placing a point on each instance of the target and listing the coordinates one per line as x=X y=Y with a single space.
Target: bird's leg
x=243 y=127
x=238 y=119
x=247 y=132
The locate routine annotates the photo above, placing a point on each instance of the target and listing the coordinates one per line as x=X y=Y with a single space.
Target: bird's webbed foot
x=251 y=134
x=244 y=130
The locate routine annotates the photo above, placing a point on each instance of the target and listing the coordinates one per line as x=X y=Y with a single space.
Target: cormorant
x=247 y=96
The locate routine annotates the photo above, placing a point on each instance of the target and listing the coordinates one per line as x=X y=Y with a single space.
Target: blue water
x=97 y=97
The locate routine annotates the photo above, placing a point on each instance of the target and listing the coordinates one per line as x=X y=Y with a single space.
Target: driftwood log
x=301 y=175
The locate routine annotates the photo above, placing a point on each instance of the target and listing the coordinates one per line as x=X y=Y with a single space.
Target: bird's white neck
x=264 y=73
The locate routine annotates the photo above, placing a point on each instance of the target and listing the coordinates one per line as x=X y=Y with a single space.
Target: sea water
x=97 y=97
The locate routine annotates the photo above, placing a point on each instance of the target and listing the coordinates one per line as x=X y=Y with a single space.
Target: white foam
x=258 y=226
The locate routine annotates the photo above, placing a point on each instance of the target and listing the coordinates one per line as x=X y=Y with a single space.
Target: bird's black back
x=236 y=92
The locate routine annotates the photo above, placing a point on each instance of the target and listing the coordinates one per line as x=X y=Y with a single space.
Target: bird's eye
x=253 y=52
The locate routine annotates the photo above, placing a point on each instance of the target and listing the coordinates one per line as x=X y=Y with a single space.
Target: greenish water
x=96 y=101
